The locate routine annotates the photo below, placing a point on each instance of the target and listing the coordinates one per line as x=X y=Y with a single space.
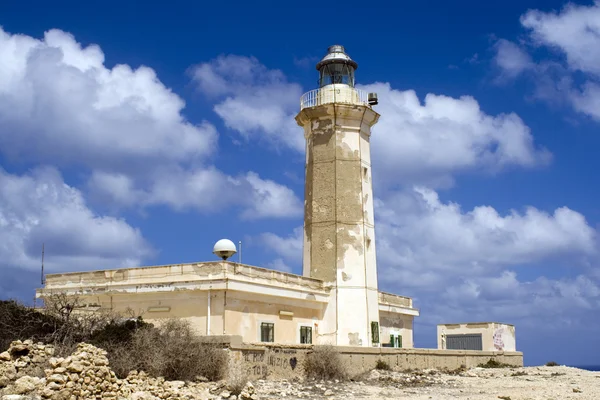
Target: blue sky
x=135 y=134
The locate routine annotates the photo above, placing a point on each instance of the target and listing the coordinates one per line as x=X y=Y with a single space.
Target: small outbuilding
x=486 y=336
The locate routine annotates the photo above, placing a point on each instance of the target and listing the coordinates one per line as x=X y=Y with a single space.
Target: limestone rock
x=25 y=384
x=75 y=366
x=143 y=396
x=5 y=356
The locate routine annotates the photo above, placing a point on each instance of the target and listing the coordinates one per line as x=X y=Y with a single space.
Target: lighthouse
x=339 y=226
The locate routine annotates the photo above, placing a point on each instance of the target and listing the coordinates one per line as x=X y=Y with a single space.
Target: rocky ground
x=30 y=371
x=529 y=383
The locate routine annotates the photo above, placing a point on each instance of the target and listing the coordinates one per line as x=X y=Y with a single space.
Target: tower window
x=267 y=332
x=305 y=335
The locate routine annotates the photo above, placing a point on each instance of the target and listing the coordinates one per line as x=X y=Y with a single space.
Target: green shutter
x=375 y=332
x=400 y=341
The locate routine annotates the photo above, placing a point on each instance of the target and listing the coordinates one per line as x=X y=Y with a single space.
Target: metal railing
x=328 y=94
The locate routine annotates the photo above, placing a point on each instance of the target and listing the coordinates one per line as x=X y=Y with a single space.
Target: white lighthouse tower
x=339 y=234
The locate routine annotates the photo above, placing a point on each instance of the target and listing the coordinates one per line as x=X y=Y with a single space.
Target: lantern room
x=336 y=67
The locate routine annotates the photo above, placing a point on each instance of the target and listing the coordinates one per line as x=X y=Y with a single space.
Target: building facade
x=336 y=300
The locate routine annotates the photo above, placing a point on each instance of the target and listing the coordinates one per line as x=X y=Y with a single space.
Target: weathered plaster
x=339 y=238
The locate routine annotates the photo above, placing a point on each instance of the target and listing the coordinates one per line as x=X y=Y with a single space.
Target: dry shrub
x=491 y=363
x=325 y=362
x=382 y=365
x=236 y=378
x=551 y=364
x=172 y=351
x=19 y=322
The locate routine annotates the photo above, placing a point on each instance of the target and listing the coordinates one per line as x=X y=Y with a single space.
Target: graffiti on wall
x=259 y=362
x=498 y=341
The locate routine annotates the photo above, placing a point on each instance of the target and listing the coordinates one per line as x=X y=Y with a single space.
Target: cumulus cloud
x=416 y=231
x=572 y=36
x=574 y=31
x=203 y=190
x=257 y=102
x=60 y=104
x=434 y=140
x=40 y=208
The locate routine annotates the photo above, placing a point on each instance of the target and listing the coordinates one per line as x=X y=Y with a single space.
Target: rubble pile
x=86 y=375
x=21 y=359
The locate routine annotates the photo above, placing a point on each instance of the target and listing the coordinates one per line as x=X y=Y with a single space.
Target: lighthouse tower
x=339 y=234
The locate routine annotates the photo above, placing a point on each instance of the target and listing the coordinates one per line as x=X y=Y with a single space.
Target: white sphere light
x=224 y=249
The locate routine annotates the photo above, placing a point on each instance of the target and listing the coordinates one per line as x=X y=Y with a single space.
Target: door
x=464 y=342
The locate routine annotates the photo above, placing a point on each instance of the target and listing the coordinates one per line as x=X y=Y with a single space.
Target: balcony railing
x=341 y=94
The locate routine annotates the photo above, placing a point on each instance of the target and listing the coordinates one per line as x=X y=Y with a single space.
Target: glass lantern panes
x=336 y=74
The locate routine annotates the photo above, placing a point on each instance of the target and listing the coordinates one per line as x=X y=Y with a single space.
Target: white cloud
x=526 y=303
x=574 y=31
x=41 y=208
x=432 y=141
x=204 y=190
x=288 y=248
x=416 y=232
x=511 y=58
x=60 y=104
x=573 y=37
x=279 y=265
x=270 y=199
x=257 y=102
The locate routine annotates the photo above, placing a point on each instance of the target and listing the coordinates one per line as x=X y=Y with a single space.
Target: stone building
x=336 y=300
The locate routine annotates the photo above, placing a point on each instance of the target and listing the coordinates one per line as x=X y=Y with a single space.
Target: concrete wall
x=288 y=361
x=495 y=336
x=244 y=316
